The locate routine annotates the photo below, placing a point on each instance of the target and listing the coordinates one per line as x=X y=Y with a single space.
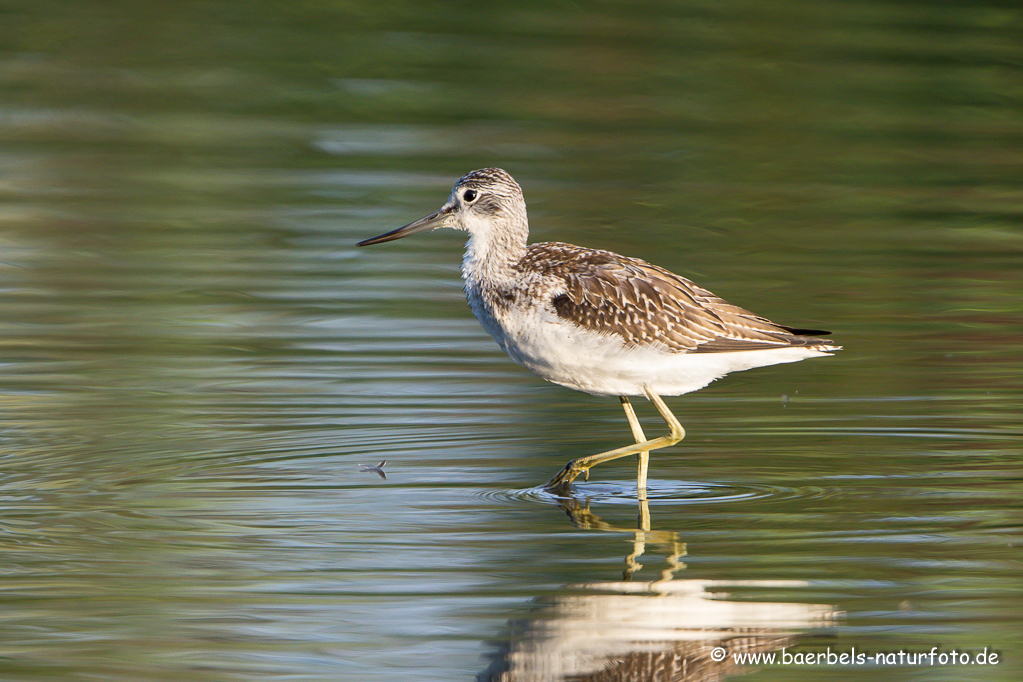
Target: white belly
x=566 y=354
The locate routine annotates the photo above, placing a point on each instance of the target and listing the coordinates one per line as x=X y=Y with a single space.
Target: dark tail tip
x=806 y=332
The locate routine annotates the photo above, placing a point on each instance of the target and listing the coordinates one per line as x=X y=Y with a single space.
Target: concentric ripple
x=663 y=492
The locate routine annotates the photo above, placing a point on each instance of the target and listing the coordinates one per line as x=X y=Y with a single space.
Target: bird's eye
x=470 y=195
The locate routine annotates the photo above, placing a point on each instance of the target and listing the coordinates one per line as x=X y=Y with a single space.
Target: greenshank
x=598 y=322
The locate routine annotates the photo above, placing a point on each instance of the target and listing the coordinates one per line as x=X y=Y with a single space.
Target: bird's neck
x=491 y=256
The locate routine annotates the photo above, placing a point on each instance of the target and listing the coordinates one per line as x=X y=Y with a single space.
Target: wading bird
x=596 y=321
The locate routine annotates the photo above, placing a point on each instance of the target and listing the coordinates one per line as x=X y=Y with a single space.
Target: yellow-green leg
x=644 y=457
x=583 y=465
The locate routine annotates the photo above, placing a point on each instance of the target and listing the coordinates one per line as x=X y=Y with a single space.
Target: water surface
x=195 y=359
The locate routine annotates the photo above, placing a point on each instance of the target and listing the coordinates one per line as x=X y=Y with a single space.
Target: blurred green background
x=194 y=358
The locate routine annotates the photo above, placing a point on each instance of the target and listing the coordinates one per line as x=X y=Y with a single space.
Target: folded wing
x=648 y=305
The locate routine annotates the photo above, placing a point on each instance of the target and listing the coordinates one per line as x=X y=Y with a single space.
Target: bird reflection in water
x=664 y=630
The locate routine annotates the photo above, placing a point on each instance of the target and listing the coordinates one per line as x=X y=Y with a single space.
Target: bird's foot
x=562 y=481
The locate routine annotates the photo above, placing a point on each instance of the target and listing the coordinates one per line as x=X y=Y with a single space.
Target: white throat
x=493 y=250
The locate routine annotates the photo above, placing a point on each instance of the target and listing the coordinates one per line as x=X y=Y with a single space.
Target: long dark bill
x=425 y=223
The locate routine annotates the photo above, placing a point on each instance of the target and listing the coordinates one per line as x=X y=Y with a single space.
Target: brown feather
x=645 y=304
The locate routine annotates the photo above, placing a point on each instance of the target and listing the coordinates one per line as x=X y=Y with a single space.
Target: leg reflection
x=583 y=517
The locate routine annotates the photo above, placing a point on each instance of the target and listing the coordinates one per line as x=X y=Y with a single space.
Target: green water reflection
x=194 y=358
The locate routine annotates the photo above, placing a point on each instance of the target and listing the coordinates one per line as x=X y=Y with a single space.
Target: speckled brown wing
x=646 y=305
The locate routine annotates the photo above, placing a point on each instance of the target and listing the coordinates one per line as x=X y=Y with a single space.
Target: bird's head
x=480 y=202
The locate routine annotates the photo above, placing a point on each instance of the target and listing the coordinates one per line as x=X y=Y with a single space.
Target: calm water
x=195 y=360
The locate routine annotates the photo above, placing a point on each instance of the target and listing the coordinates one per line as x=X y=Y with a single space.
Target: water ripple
x=663 y=492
